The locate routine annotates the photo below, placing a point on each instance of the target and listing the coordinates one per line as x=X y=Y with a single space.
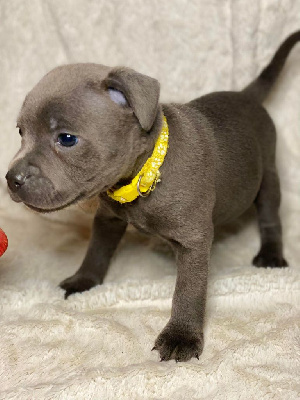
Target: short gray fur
x=221 y=160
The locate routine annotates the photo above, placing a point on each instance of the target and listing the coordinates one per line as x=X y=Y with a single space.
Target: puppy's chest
x=141 y=219
x=139 y=214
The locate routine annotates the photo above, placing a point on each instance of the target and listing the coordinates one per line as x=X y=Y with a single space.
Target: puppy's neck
x=150 y=140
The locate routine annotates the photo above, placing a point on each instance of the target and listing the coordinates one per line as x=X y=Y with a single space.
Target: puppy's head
x=83 y=127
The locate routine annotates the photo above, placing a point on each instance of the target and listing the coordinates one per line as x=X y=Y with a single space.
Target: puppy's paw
x=269 y=256
x=77 y=283
x=179 y=343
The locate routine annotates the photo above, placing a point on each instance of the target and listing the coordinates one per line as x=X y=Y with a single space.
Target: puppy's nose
x=15 y=181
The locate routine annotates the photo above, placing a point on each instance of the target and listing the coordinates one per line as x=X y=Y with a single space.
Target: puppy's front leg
x=106 y=235
x=182 y=338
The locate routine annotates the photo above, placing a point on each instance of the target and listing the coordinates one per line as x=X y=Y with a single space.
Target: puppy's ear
x=140 y=91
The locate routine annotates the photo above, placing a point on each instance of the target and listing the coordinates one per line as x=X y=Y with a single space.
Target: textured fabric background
x=97 y=345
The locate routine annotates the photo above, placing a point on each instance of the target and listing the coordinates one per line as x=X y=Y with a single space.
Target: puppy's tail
x=260 y=87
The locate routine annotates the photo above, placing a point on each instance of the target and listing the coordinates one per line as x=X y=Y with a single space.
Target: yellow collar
x=145 y=181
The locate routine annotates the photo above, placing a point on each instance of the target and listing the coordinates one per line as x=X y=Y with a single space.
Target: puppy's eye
x=20 y=132
x=67 y=140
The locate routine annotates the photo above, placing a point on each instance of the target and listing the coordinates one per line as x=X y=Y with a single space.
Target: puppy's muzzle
x=20 y=175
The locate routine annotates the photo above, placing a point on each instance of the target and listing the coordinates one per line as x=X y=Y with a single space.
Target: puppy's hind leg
x=267 y=204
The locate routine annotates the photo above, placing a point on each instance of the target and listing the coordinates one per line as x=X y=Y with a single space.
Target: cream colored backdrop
x=97 y=345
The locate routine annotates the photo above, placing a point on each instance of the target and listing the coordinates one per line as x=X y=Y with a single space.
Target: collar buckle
x=151 y=188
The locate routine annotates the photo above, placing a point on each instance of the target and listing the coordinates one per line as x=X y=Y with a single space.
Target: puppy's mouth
x=49 y=210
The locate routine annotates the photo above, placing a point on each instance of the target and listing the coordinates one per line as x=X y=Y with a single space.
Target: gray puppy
x=88 y=128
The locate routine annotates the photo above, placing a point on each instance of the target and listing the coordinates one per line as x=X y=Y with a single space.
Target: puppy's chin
x=49 y=209
x=45 y=208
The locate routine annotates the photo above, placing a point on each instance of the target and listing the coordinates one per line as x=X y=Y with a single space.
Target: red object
x=3 y=242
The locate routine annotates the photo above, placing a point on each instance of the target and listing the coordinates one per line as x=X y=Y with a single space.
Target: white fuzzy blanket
x=96 y=345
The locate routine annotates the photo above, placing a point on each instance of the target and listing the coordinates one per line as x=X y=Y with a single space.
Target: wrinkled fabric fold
x=97 y=345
